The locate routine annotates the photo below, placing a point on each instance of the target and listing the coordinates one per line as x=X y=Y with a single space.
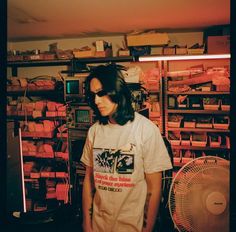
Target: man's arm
x=87 y=199
x=154 y=182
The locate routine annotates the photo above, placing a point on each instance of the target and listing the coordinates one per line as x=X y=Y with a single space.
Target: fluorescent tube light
x=184 y=57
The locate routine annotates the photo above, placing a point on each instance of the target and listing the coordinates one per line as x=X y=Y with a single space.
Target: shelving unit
x=189 y=135
x=165 y=64
x=14 y=65
x=45 y=154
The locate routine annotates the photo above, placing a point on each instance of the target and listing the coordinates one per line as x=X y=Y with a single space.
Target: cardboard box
x=157 y=50
x=218 y=44
x=82 y=54
x=123 y=53
x=15 y=58
x=181 y=50
x=100 y=45
x=106 y=53
x=195 y=51
x=169 y=50
x=34 y=57
x=222 y=88
x=148 y=39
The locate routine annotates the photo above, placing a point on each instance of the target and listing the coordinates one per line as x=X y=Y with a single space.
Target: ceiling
x=50 y=19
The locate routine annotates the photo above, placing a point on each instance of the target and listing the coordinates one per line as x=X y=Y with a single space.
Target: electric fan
x=199 y=196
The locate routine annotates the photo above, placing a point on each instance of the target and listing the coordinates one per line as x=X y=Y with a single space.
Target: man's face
x=103 y=102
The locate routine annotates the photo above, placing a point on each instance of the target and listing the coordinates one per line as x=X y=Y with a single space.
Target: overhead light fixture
x=183 y=57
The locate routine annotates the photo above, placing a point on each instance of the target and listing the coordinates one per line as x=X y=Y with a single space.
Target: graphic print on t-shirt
x=111 y=160
x=125 y=164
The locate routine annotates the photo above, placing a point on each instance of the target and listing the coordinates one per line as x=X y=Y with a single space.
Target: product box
x=122 y=52
x=181 y=50
x=35 y=175
x=147 y=39
x=156 y=50
x=153 y=85
x=106 y=53
x=100 y=45
x=218 y=44
x=82 y=54
x=15 y=58
x=222 y=88
x=169 y=50
x=173 y=124
x=34 y=57
x=195 y=51
x=47 y=174
x=49 y=56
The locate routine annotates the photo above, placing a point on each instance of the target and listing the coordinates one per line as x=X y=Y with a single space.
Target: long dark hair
x=113 y=83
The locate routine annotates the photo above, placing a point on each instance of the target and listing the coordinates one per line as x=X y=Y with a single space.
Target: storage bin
x=199 y=139
x=174 y=138
x=185 y=138
x=221 y=122
x=211 y=103
x=214 y=140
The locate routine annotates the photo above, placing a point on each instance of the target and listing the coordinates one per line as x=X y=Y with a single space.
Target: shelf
x=59 y=62
x=80 y=64
x=207 y=148
x=46 y=158
x=183 y=111
x=197 y=130
x=153 y=91
x=28 y=134
x=198 y=93
x=16 y=117
x=91 y=60
x=38 y=63
x=35 y=93
x=51 y=175
x=52 y=159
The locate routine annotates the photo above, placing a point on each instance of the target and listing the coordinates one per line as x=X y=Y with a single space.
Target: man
x=118 y=197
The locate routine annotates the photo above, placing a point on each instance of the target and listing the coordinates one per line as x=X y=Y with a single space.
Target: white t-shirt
x=120 y=155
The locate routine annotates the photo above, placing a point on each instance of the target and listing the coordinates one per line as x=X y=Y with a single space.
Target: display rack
x=45 y=156
x=196 y=128
x=165 y=65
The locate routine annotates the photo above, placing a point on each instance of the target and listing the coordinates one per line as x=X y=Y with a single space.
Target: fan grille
x=189 y=197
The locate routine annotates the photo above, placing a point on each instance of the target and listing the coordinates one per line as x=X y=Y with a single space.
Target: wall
x=188 y=39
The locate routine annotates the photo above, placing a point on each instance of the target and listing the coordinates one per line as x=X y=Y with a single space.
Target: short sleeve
x=155 y=154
